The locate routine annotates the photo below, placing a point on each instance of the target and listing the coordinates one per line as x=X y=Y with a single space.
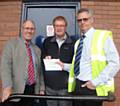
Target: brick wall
x=107 y=16
x=10 y=13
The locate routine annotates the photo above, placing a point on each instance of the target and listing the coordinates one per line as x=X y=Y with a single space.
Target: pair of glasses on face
x=83 y=19
x=29 y=28
x=59 y=25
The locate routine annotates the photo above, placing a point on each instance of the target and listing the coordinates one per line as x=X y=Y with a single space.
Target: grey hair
x=24 y=22
x=89 y=11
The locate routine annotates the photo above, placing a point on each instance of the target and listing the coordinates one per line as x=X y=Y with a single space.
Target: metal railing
x=109 y=98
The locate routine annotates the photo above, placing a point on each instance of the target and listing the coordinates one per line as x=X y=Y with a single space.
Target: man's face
x=85 y=21
x=28 y=30
x=59 y=28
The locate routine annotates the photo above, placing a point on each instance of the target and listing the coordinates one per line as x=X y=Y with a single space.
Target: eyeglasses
x=83 y=19
x=29 y=28
x=60 y=25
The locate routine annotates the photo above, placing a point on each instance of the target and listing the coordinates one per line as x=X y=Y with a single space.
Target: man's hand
x=6 y=93
x=89 y=85
x=42 y=92
x=48 y=57
x=61 y=64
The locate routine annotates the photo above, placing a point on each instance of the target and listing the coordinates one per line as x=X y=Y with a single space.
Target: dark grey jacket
x=58 y=79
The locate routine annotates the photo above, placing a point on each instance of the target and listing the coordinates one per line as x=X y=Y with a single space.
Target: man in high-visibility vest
x=98 y=64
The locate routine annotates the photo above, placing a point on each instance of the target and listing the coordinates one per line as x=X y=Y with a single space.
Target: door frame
x=27 y=5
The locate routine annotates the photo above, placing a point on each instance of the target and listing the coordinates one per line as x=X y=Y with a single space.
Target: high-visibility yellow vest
x=98 y=62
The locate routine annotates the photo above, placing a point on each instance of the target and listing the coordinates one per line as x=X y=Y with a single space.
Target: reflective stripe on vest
x=98 y=63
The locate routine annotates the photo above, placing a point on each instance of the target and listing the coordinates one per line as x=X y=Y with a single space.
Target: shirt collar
x=89 y=32
x=29 y=43
x=67 y=39
x=63 y=38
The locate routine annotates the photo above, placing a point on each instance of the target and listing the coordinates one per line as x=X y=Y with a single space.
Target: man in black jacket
x=60 y=46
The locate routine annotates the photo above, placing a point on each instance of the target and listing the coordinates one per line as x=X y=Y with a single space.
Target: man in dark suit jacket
x=14 y=64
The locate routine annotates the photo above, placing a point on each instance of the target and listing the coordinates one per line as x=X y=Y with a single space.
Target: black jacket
x=58 y=79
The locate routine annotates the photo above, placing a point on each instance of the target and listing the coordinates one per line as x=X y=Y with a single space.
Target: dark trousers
x=60 y=92
x=29 y=89
x=85 y=91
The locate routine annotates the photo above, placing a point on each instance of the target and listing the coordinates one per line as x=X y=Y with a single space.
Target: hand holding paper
x=52 y=65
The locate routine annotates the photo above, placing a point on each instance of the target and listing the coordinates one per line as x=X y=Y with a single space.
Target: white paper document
x=51 y=65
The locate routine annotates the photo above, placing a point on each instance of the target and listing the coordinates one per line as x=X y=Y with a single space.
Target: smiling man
x=60 y=46
x=21 y=66
x=95 y=62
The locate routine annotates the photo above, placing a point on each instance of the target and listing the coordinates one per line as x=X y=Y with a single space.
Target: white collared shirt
x=85 y=63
